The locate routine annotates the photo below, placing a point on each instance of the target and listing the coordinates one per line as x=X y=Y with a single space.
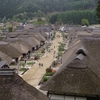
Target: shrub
x=49 y=74
x=22 y=69
x=30 y=63
x=37 y=57
x=48 y=70
x=45 y=79
x=23 y=64
x=55 y=63
x=43 y=50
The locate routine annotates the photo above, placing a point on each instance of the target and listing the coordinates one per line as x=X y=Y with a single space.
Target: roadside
x=35 y=74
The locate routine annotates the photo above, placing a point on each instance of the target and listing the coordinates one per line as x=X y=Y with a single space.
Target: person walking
x=39 y=65
x=42 y=64
x=25 y=61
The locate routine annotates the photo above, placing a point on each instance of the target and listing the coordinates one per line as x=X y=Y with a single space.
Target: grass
x=23 y=69
x=30 y=63
x=1 y=38
x=22 y=64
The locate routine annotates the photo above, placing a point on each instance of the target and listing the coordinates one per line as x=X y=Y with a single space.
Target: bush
x=45 y=79
x=55 y=63
x=23 y=64
x=37 y=57
x=48 y=70
x=30 y=63
x=49 y=74
x=43 y=50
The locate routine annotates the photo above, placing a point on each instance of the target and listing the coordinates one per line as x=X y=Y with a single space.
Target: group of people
x=40 y=64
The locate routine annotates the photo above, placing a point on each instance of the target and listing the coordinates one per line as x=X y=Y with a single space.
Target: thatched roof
x=9 y=50
x=35 y=41
x=45 y=35
x=25 y=44
x=11 y=39
x=39 y=37
x=29 y=41
x=5 y=58
x=78 y=76
x=2 y=63
x=20 y=47
x=13 y=87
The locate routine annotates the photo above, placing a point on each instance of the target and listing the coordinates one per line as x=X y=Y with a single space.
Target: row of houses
x=19 y=45
x=79 y=76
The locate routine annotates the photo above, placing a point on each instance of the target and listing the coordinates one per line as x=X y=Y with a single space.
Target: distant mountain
x=9 y=8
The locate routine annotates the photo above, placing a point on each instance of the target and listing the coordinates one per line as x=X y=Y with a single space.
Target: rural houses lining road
x=35 y=74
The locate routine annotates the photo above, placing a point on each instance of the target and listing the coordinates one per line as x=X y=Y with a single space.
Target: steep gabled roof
x=21 y=40
x=20 y=47
x=78 y=77
x=15 y=88
x=9 y=50
x=5 y=57
x=2 y=63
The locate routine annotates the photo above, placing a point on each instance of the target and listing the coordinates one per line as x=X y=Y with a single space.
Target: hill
x=9 y=8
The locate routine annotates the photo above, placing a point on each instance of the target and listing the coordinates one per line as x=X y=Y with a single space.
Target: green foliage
x=54 y=35
x=45 y=79
x=23 y=69
x=30 y=63
x=43 y=50
x=63 y=34
x=49 y=74
x=48 y=70
x=23 y=64
x=1 y=38
x=10 y=29
x=59 y=54
x=85 y=22
x=75 y=17
x=37 y=56
x=98 y=11
x=9 y=8
x=39 y=23
x=4 y=19
x=60 y=48
x=55 y=63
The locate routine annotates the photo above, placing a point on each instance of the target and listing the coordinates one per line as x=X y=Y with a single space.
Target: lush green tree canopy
x=98 y=11
x=9 y=8
x=74 y=17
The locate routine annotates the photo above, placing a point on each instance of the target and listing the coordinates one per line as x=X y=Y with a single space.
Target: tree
x=85 y=22
x=8 y=20
x=18 y=20
x=39 y=13
x=24 y=20
x=10 y=29
x=98 y=11
x=4 y=19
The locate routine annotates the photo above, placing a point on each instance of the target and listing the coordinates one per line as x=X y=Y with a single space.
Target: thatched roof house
x=80 y=73
x=20 y=47
x=6 y=58
x=13 y=87
x=10 y=51
x=21 y=40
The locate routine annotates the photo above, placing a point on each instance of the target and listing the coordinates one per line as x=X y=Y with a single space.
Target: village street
x=35 y=74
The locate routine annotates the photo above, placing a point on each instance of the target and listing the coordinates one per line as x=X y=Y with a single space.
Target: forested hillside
x=74 y=17
x=9 y=8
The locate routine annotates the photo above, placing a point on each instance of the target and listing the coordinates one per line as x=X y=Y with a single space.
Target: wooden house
x=79 y=76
